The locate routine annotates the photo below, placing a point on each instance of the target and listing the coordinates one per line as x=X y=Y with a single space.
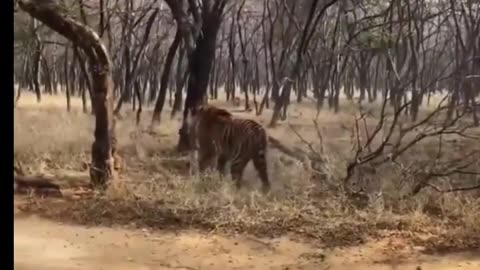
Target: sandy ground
x=43 y=244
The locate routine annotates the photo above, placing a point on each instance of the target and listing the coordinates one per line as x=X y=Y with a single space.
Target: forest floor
x=46 y=245
x=155 y=216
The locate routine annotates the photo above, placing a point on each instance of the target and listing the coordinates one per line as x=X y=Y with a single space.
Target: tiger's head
x=202 y=120
x=207 y=114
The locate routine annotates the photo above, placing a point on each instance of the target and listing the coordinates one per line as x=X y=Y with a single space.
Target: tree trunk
x=180 y=79
x=67 y=81
x=231 y=52
x=178 y=99
x=21 y=82
x=200 y=63
x=157 y=111
x=88 y=83
x=37 y=59
x=104 y=146
x=138 y=94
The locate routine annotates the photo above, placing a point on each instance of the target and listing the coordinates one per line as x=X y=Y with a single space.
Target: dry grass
x=156 y=190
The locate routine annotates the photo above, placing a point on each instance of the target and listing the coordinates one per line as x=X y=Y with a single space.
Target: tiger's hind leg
x=260 y=164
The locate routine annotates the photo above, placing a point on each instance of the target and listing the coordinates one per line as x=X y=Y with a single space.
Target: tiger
x=218 y=138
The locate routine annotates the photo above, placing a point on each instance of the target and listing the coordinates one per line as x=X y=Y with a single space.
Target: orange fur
x=212 y=113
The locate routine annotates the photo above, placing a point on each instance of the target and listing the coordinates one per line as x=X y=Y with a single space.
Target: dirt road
x=42 y=244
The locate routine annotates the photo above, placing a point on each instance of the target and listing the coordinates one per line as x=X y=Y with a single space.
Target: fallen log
x=37 y=185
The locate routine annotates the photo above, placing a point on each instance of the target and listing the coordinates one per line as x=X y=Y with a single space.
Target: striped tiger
x=219 y=138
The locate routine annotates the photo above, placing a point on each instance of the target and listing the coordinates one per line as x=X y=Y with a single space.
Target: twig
x=453 y=189
x=309 y=144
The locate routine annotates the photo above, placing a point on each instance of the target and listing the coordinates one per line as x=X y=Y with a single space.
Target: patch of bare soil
x=42 y=244
x=91 y=210
x=81 y=207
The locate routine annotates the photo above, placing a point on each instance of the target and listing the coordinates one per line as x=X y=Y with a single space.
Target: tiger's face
x=206 y=114
x=203 y=121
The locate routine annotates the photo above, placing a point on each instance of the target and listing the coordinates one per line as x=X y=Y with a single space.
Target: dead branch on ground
x=37 y=185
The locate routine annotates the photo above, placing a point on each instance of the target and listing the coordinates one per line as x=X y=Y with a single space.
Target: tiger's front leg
x=207 y=157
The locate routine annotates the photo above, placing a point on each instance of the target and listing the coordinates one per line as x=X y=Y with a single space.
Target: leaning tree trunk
x=104 y=146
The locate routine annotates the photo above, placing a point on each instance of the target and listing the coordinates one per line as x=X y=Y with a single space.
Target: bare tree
x=103 y=148
x=307 y=34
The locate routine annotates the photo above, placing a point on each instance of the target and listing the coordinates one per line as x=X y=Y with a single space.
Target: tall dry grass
x=155 y=189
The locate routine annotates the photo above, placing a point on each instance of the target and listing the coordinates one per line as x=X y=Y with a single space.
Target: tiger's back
x=243 y=137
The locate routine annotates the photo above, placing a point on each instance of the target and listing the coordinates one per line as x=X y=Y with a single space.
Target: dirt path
x=42 y=244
